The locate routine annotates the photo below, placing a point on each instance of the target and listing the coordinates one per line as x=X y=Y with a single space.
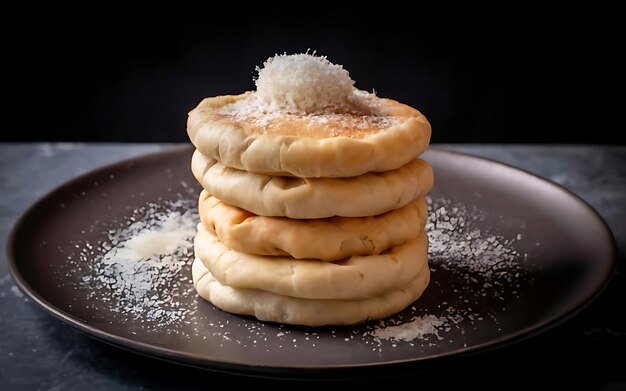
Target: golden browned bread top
x=364 y=115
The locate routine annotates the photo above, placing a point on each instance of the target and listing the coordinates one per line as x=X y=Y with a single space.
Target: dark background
x=526 y=76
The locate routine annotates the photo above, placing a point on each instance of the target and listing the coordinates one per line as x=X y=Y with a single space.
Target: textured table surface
x=588 y=351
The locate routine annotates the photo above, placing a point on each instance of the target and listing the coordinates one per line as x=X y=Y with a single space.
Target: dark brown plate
x=558 y=255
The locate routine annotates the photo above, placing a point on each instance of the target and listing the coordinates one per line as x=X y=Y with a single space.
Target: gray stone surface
x=39 y=352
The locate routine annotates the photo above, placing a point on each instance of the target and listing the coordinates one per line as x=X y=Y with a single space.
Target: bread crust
x=232 y=144
x=271 y=307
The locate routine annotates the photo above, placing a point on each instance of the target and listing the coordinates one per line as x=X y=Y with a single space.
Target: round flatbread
x=313 y=198
x=310 y=312
x=373 y=135
x=328 y=239
x=358 y=277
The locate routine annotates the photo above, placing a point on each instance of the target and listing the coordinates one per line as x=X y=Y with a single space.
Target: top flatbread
x=374 y=135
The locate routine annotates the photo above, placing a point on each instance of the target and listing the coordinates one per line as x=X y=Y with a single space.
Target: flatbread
x=328 y=239
x=358 y=277
x=340 y=144
x=310 y=312
x=313 y=198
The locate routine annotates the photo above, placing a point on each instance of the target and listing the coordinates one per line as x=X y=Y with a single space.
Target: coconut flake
x=303 y=83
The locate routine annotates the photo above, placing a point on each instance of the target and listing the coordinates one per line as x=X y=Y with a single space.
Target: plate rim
x=216 y=363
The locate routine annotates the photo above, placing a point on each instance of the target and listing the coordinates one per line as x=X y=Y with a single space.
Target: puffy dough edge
x=357 y=277
x=313 y=198
x=325 y=239
x=268 y=306
x=305 y=157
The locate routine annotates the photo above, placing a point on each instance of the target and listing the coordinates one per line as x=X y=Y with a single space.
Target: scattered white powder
x=142 y=269
x=302 y=83
x=483 y=270
x=419 y=327
x=456 y=241
x=169 y=232
x=142 y=272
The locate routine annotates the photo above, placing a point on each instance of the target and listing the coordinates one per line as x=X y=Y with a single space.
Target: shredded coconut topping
x=306 y=95
x=365 y=115
x=302 y=83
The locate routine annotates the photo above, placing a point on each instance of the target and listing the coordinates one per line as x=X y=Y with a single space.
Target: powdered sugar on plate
x=484 y=268
x=456 y=241
x=417 y=328
x=141 y=272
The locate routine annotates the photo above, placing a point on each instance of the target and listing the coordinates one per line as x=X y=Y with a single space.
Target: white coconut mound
x=303 y=83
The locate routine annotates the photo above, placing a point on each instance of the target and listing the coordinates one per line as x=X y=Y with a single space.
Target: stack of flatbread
x=311 y=219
